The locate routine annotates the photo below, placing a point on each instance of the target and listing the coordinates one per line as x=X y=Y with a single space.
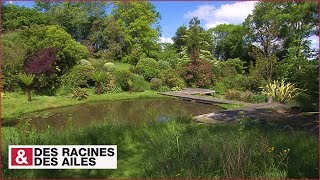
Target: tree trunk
x=28 y=91
x=98 y=88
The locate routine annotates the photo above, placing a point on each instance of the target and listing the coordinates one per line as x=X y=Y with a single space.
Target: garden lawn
x=14 y=105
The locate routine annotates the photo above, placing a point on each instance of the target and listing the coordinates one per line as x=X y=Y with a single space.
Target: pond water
x=131 y=111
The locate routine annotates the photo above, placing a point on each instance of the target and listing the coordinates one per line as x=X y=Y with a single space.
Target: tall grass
x=180 y=149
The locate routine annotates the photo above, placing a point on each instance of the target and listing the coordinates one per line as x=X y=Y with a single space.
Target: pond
x=131 y=111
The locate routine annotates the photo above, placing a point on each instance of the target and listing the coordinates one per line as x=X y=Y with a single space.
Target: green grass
x=230 y=106
x=15 y=105
x=180 y=149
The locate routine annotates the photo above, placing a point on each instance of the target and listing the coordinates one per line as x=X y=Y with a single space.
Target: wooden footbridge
x=198 y=95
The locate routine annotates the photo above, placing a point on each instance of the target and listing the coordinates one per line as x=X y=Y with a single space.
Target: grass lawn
x=14 y=104
x=180 y=149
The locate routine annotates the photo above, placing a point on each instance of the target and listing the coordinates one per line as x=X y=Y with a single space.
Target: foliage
x=26 y=79
x=14 y=17
x=109 y=38
x=79 y=93
x=198 y=73
x=258 y=98
x=233 y=94
x=220 y=88
x=228 y=149
x=13 y=53
x=238 y=82
x=163 y=65
x=246 y=96
x=281 y=91
x=75 y=17
x=42 y=61
x=79 y=75
x=148 y=68
x=171 y=79
x=85 y=62
x=140 y=21
x=139 y=84
x=156 y=83
x=305 y=102
x=109 y=67
x=40 y=37
x=122 y=77
x=110 y=85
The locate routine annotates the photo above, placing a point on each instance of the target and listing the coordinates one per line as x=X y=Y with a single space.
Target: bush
x=85 y=62
x=238 y=82
x=139 y=84
x=163 y=65
x=171 y=79
x=148 y=68
x=245 y=96
x=233 y=94
x=156 y=83
x=258 y=98
x=220 y=88
x=109 y=67
x=281 y=91
x=79 y=75
x=198 y=73
x=79 y=93
x=110 y=85
x=305 y=102
x=122 y=78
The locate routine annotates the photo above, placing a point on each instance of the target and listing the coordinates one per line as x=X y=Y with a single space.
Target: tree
x=108 y=36
x=140 y=20
x=99 y=77
x=178 y=39
x=75 y=17
x=14 y=17
x=229 y=42
x=27 y=80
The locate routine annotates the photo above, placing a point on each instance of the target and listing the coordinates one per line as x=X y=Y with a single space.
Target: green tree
x=27 y=80
x=178 y=39
x=140 y=20
x=75 y=17
x=108 y=36
x=14 y=17
x=99 y=77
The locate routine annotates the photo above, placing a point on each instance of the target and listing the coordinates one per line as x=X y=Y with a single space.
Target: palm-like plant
x=27 y=80
x=281 y=91
x=99 y=77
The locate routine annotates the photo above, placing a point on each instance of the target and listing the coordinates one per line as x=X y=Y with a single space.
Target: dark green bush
x=122 y=78
x=148 y=68
x=79 y=75
x=238 y=82
x=305 y=102
x=258 y=98
x=156 y=83
x=171 y=79
x=139 y=84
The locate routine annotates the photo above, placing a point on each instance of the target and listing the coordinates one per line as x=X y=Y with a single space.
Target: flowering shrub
x=42 y=61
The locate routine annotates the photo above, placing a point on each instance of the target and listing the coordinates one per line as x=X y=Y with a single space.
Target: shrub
x=79 y=93
x=139 y=84
x=148 y=68
x=122 y=77
x=233 y=94
x=110 y=85
x=220 y=88
x=164 y=89
x=99 y=77
x=79 y=75
x=85 y=62
x=238 y=82
x=163 y=65
x=171 y=79
x=156 y=83
x=245 y=96
x=109 y=67
x=258 y=98
x=199 y=73
x=281 y=91
x=305 y=102
x=27 y=80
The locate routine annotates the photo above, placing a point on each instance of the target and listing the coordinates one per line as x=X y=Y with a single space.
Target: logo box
x=62 y=157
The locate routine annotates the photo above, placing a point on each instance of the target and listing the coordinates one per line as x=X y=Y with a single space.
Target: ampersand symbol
x=20 y=159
